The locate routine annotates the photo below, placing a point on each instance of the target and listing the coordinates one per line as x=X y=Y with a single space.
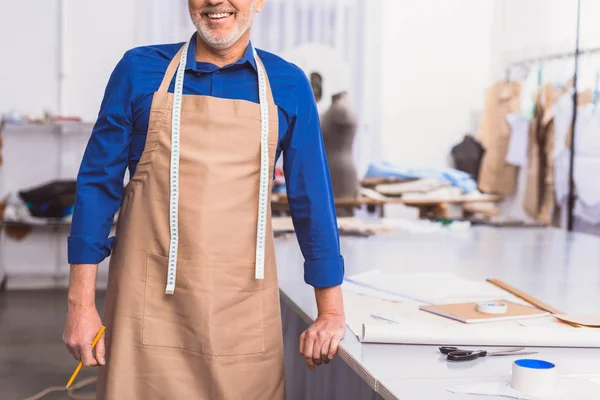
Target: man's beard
x=209 y=37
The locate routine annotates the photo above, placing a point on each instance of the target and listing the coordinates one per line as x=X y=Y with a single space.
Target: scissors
x=456 y=354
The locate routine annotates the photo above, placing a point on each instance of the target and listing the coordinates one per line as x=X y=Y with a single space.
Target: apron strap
x=170 y=73
x=270 y=99
x=172 y=69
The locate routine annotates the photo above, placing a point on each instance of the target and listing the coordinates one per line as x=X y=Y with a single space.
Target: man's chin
x=217 y=40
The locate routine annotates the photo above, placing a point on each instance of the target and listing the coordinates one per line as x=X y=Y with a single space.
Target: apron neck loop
x=170 y=73
x=172 y=70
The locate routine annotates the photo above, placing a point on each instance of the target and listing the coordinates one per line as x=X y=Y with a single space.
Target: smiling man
x=192 y=305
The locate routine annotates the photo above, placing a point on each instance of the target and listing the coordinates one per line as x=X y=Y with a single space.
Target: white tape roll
x=492 y=307
x=534 y=377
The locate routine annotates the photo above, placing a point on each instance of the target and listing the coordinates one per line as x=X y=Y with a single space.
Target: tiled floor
x=32 y=355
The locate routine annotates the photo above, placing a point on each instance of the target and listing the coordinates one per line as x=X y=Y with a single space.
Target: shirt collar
x=191 y=64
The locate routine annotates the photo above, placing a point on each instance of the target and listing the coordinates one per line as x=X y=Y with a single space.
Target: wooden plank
x=484 y=208
x=529 y=298
x=524 y=296
x=281 y=199
x=370 y=182
x=449 y=200
x=436 y=211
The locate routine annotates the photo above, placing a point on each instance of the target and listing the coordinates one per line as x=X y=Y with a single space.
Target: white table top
x=560 y=268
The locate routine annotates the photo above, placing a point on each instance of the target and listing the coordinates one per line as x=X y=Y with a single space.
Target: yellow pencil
x=98 y=335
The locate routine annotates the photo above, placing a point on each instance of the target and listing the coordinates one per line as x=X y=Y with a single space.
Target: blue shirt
x=119 y=135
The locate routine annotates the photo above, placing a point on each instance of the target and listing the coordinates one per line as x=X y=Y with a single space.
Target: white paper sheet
x=479 y=335
x=547 y=322
x=430 y=288
x=360 y=307
x=358 y=288
x=566 y=389
x=501 y=389
x=398 y=297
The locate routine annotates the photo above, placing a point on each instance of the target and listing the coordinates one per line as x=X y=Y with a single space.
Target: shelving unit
x=35 y=154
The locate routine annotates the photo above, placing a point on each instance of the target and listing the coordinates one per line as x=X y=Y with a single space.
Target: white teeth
x=221 y=15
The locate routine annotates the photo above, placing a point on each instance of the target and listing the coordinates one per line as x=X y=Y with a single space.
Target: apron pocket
x=235 y=311
x=177 y=320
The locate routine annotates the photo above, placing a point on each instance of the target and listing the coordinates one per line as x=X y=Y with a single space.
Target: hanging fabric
x=539 y=190
x=547 y=185
x=529 y=92
x=495 y=174
x=159 y=21
x=587 y=164
x=562 y=113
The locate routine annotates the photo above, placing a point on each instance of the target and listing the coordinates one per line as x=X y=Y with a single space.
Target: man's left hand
x=319 y=343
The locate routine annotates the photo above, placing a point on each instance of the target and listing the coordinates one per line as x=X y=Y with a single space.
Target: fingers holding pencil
x=97 y=340
x=87 y=356
x=100 y=351
x=81 y=327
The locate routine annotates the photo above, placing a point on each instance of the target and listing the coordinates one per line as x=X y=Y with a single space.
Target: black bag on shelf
x=52 y=200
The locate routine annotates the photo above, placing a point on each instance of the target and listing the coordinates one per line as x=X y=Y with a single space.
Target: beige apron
x=219 y=335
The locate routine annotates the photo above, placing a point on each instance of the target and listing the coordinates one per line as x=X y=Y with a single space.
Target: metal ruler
x=263 y=190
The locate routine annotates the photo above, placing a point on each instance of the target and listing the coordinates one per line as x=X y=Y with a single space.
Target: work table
x=558 y=267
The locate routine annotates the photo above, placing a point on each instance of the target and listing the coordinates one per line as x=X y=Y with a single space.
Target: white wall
x=28 y=71
x=535 y=28
x=436 y=62
x=438 y=58
x=96 y=34
x=369 y=142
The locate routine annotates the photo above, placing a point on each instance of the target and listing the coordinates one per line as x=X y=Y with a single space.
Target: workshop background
x=439 y=114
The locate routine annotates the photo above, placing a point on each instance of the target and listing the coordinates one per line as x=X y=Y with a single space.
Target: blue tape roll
x=534 y=364
x=534 y=377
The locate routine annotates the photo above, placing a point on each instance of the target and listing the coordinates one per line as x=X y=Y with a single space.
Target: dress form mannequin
x=339 y=125
x=330 y=77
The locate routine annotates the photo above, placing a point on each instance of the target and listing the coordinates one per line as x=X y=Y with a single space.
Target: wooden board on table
x=467 y=312
x=371 y=182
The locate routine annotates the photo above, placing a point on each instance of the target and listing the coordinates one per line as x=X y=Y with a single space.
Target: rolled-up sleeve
x=102 y=170
x=310 y=195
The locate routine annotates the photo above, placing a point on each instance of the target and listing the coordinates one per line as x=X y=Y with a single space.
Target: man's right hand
x=81 y=327
x=83 y=321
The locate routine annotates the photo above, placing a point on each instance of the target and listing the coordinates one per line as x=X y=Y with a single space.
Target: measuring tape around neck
x=174 y=173
x=263 y=191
